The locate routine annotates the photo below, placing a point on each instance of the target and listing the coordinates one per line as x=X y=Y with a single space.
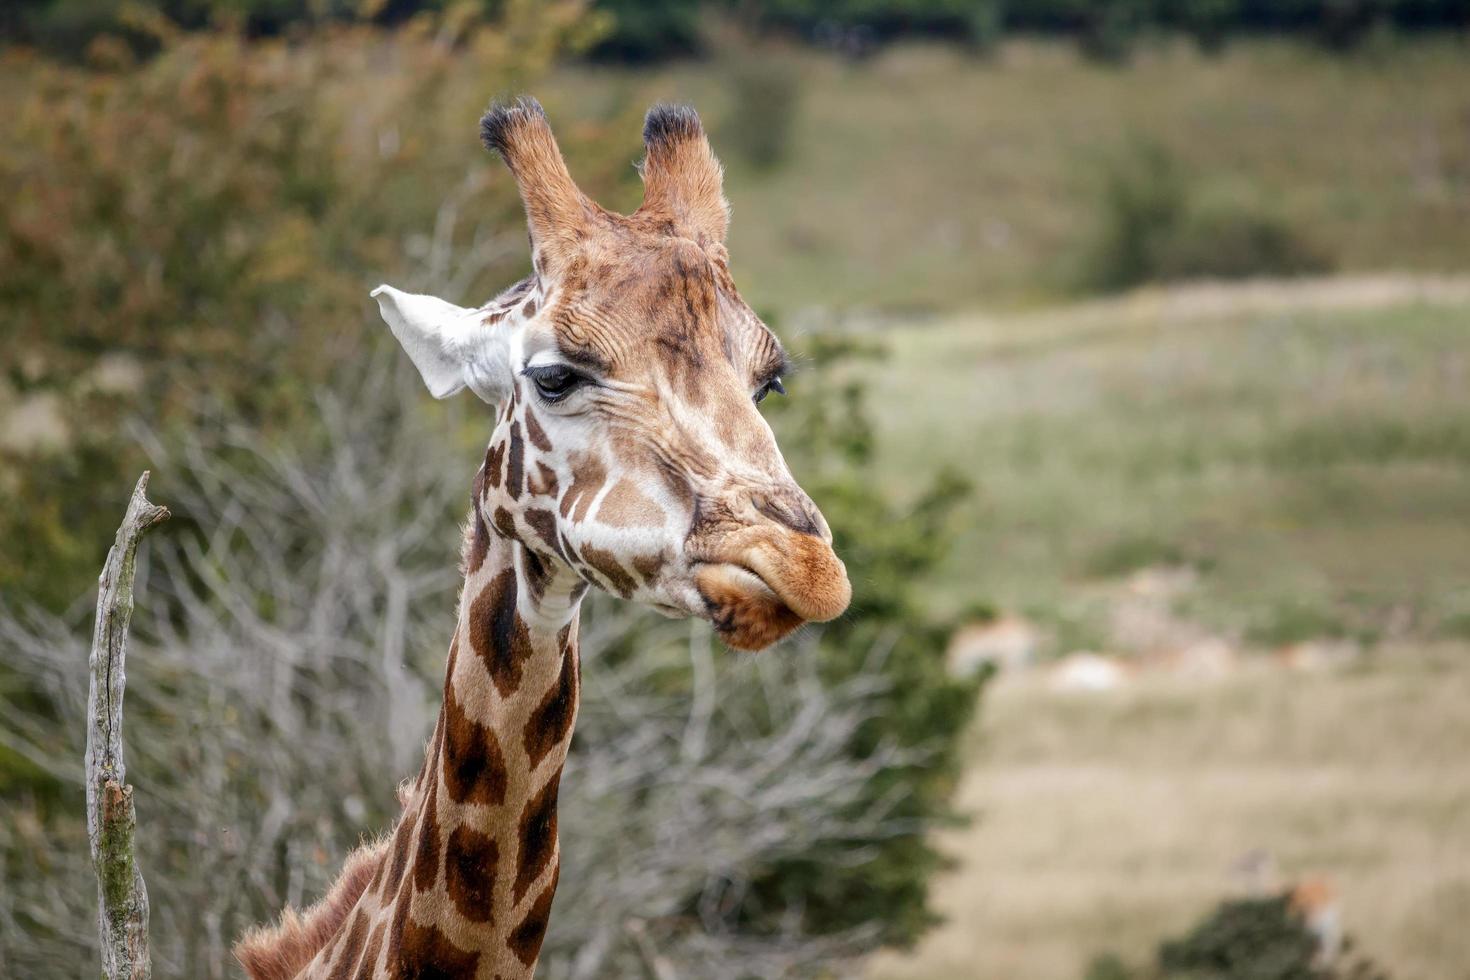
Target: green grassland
x=1307 y=446
x=928 y=179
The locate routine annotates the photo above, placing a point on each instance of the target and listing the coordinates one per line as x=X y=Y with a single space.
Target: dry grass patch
x=1110 y=822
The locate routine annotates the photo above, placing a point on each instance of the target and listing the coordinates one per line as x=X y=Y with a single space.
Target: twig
x=122 y=916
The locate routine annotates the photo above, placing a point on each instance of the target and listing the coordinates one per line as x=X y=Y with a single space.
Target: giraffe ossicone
x=627 y=453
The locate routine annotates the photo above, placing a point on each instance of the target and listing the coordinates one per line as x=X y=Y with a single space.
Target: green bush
x=1227 y=236
x=649 y=30
x=1250 y=939
x=890 y=552
x=766 y=100
x=1245 y=939
x=1157 y=224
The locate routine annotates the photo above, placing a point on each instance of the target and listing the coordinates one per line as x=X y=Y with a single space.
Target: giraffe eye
x=773 y=385
x=554 y=381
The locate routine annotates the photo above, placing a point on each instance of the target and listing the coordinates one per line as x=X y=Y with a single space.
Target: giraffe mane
x=279 y=952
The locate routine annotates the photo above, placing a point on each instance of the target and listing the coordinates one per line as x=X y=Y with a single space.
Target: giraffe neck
x=465 y=886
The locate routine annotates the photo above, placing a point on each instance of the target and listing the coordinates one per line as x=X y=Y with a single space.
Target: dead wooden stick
x=122 y=916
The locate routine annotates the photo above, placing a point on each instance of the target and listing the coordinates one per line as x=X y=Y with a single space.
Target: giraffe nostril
x=795 y=514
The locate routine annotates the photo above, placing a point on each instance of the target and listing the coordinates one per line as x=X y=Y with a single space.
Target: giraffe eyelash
x=554 y=382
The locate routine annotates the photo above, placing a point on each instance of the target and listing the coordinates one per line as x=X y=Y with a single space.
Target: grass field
x=1306 y=446
x=1107 y=823
x=926 y=179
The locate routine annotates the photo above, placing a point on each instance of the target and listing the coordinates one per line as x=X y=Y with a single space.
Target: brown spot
x=333 y=945
x=425 y=953
x=515 y=469
x=537 y=837
x=543 y=522
x=401 y=840
x=551 y=722
x=588 y=476
x=525 y=939
x=648 y=566
x=505 y=525
x=479 y=538
x=355 y=935
x=544 y=483
x=369 y=962
x=535 y=433
x=530 y=308
x=537 y=573
x=426 y=858
x=474 y=769
x=626 y=506
x=607 y=565
x=395 y=934
x=497 y=633
x=469 y=872
x=494 y=318
x=567 y=551
x=494 y=456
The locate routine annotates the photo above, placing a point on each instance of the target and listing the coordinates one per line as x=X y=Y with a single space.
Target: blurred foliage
x=642 y=31
x=1155 y=224
x=1248 y=939
x=766 y=96
x=1245 y=939
x=891 y=551
x=201 y=222
x=647 y=30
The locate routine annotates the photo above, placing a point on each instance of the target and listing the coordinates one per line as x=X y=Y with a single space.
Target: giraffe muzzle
x=770 y=583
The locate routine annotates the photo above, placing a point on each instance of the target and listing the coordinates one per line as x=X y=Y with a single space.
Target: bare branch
x=122 y=916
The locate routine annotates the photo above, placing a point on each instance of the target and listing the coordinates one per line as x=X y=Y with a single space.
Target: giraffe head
x=628 y=449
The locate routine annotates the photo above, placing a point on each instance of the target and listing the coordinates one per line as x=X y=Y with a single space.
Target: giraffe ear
x=557 y=212
x=682 y=181
x=452 y=347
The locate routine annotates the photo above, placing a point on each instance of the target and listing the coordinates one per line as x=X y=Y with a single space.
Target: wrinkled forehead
x=660 y=307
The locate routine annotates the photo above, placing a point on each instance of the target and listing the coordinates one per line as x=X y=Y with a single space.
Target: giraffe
x=627 y=453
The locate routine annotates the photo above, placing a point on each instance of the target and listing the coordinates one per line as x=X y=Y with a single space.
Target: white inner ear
x=452 y=347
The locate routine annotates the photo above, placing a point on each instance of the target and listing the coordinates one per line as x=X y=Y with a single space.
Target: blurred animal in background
x=1005 y=643
x=628 y=453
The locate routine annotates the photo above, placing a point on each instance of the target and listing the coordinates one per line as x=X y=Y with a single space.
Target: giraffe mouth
x=746 y=612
